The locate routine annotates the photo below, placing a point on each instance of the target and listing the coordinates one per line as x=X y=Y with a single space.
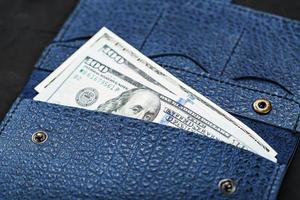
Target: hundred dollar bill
x=110 y=47
x=121 y=51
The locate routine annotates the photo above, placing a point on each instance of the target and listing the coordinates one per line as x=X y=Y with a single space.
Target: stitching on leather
x=11 y=113
x=83 y=38
x=231 y=84
x=49 y=49
x=65 y=45
x=233 y=51
x=273 y=182
x=152 y=28
x=42 y=69
x=43 y=58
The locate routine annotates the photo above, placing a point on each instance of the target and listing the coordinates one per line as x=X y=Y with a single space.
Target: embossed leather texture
x=86 y=157
x=230 y=54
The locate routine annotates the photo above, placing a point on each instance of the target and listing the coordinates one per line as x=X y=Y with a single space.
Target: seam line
x=11 y=113
x=152 y=28
x=232 y=51
x=273 y=182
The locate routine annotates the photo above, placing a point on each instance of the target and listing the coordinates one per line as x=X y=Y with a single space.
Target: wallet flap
x=89 y=154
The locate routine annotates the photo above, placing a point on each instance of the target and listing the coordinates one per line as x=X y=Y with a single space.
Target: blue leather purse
x=233 y=55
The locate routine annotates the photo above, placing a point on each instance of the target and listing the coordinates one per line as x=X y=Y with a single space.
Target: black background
x=28 y=26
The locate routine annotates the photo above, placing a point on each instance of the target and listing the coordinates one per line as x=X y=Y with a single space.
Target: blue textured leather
x=94 y=155
x=267 y=50
x=216 y=47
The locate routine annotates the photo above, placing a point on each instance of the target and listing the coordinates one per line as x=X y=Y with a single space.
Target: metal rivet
x=39 y=137
x=227 y=186
x=262 y=106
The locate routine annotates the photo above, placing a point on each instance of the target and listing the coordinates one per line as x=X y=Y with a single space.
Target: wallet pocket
x=96 y=155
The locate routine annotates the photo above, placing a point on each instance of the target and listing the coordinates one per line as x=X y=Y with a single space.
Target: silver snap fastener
x=39 y=137
x=227 y=186
x=262 y=106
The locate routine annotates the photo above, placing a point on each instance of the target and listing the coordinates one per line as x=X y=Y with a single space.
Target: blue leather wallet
x=231 y=54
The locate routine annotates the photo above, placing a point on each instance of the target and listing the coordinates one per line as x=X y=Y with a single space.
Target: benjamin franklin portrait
x=140 y=103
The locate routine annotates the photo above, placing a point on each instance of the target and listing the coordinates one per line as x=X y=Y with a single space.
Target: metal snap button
x=262 y=106
x=39 y=137
x=227 y=186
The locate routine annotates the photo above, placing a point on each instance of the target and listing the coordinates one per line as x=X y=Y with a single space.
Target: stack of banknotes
x=108 y=75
